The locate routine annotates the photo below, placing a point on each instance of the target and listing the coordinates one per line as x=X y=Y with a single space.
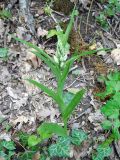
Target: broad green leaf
x=61 y=148
x=74 y=102
x=3 y=52
x=28 y=155
x=107 y=124
x=110 y=109
x=102 y=152
x=46 y=130
x=105 y=151
x=23 y=138
x=33 y=140
x=10 y=154
x=49 y=92
x=8 y=145
x=117 y=123
x=42 y=157
x=78 y=136
x=112 y=85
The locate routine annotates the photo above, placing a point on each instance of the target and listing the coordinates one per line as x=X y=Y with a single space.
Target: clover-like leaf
x=78 y=136
x=61 y=148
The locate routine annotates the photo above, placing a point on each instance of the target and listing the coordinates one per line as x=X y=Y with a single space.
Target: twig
x=89 y=15
x=25 y=13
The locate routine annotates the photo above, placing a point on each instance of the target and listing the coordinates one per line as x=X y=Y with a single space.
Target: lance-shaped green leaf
x=64 y=75
x=54 y=67
x=69 y=27
x=74 y=102
x=61 y=148
x=49 y=92
x=46 y=130
x=35 y=47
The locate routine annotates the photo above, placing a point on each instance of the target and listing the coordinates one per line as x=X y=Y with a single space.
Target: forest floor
x=22 y=106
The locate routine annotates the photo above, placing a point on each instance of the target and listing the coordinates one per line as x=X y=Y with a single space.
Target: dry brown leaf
x=84 y=2
x=20 y=32
x=36 y=62
x=12 y=93
x=93 y=46
x=19 y=121
x=41 y=32
x=115 y=54
x=1 y=158
x=5 y=136
x=73 y=90
x=100 y=46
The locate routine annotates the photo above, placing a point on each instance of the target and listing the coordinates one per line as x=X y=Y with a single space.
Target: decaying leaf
x=41 y=32
x=115 y=54
x=21 y=31
x=84 y=2
x=2 y=28
x=12 y=93
x=36 y=62
x=19 y=121
x=5 y=136
x=100 y=46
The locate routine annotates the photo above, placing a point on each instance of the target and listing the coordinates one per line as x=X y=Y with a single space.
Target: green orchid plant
x=60 y=66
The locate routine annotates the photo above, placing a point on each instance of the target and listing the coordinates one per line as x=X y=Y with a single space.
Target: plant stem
x=65 y=125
